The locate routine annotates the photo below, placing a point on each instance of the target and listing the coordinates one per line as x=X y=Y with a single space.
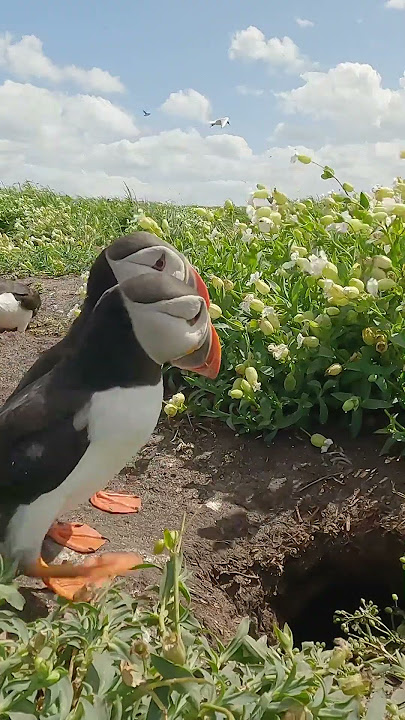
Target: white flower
x=253 y=278
x=372 y=287
x=291 y=263
x=247 y=236
x=279 y=352
x=265 y=225
x=316 y=264
x=294 y=158
x=213 y=233
x=245 y=304
x=300 y=340
x=256 y=386
x=325 y=447
x=250 y=211
x=341 y=228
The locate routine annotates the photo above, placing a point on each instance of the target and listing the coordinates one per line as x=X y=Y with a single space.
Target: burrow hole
x=334 y=574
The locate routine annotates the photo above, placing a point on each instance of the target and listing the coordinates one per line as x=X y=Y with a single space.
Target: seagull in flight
x=146 y=114
x=220 y=121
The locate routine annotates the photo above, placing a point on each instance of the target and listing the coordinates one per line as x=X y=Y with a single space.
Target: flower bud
x=215 y=311
x=356 y=283
x=256 y=305
x=334 y=369
x=170 y=410
x=165 y=226
x=381 y=344
x=377 y=273
x=311 y=341
x=302 y=251
x=351 y=292
x=304 y=159
x=263 y=212
x=262 y=194
x=140 y=647
x=380 y=215
x=290 y=382
x=399 y=210
x=240 y=369
x=330 y=272
x=245 y=386
x=318 y=440
x=382 y=261
x=228 y=285
x=178 y=399
x=266 y=327
x=251 y=375
x=237 y=383
x=279 y=197
x=327 y=220
x=383 y=192
x=386 y=284
x=355 y=224
x=276 y=217
x=369 y=336
x=173 y=648
x=354 y=685
x=337 y=659
x=348 y=187
x=262 y=287
x=159 y=547
x=228 y=205
x=236 y=394
x=201 y=211
x=217 y=282
x=332 y=311
x=348 y=405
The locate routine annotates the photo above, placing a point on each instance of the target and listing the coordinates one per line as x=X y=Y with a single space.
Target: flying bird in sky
x=220 y=121
x=146 y=114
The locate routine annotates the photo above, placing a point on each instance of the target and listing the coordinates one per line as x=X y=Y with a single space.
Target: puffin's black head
x=131 y=256
x=172 y=323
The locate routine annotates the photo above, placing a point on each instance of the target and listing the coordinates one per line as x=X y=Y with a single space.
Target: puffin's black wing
x=39 y=444
x=42 y=365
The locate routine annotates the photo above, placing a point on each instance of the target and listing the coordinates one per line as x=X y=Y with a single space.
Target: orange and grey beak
x=205 y=360
x=199 y=285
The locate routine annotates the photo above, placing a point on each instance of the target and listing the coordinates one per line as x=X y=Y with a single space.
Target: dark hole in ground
x=334 y=574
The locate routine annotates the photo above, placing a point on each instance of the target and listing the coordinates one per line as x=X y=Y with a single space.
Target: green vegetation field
x=308 y=301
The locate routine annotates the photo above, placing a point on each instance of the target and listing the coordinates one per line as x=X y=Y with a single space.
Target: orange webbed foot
x=76 y=536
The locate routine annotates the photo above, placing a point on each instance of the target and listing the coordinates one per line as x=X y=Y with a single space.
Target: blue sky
x=158 y=48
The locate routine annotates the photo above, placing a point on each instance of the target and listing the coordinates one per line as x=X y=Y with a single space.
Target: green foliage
x=117 y=657
x=298 y=289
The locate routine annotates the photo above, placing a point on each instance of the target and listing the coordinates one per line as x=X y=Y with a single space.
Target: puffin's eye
x=196 y=317
x=160 y=264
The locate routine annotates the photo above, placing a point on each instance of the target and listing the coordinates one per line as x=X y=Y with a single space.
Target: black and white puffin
x=19 y=303
x=66 y=434
x=130 y=256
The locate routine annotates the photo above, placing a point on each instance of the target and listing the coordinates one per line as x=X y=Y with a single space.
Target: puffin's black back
x=39 y=445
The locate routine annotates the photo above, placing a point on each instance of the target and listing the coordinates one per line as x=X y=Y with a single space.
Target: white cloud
x=302 y=22
x=351 y=102
x=188 y=104
x=246 y=90
x=277 y=53
x=395 y=4
x=25 y=59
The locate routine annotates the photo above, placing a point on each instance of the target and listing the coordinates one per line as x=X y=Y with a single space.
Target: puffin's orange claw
x=115 y=502
x=74 y=582
x=76 y=536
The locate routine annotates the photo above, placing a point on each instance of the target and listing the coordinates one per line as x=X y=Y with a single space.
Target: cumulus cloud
x=188 y=104
x=277 y=53
x=25 y=59
x=246 y=90
x=353 y=101
x=302 y=22
x=395 y=4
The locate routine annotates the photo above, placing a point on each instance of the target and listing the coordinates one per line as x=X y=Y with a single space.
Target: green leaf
x=364 y=201
x=376 y=404
x=376 y=706
x=398 y=339
x=10 y=594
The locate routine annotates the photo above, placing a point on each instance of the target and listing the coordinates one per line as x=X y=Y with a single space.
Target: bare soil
x=278 y=531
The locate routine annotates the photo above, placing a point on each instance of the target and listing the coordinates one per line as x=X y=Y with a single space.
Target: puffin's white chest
x=119 y=422
x=12 y=315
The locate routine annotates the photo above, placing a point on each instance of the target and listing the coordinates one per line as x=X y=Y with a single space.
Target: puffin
x=68 y=432
x=19 y=303
x=129 y=256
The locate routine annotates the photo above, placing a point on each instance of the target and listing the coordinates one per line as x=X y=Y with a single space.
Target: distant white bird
x=220 y=121
x=146 y=114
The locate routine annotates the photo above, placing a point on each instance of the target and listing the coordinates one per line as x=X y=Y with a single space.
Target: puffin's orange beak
x=210 y=368
x=200 y=286
x=205 y=360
